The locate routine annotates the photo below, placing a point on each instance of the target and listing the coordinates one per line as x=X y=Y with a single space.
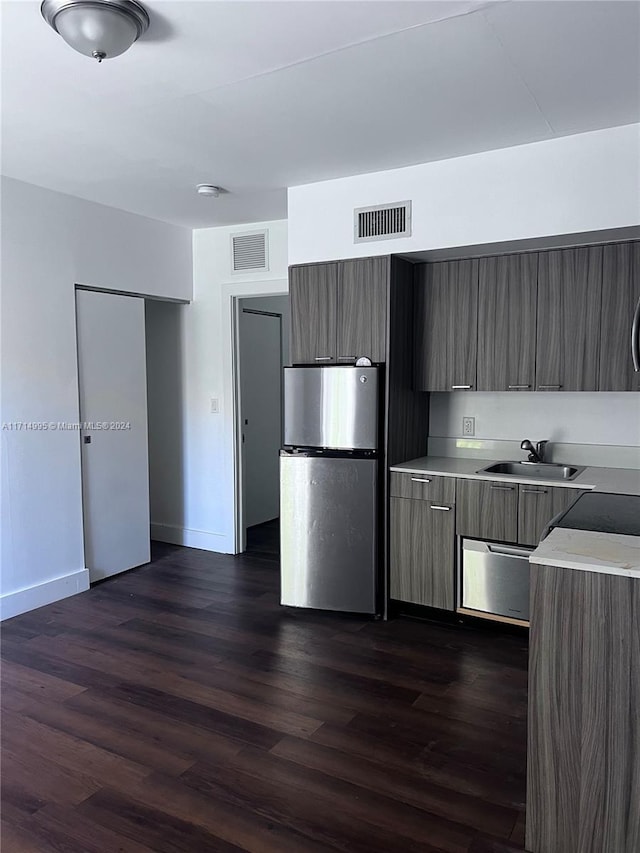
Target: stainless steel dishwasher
x=494 y=578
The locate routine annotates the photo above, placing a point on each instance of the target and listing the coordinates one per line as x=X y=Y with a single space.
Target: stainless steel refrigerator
x=329 y=488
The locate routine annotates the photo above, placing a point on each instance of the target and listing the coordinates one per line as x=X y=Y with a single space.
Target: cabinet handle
x=549 y=387
x=324 y=358
x=518 y=387
x=503 y=488
x=346 y=358
x=460 y=387
x=635 y=339
x=419 y=480
x=534 y=491
x=442 y=508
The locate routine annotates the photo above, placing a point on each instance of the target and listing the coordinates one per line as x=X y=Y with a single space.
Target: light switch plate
x=215 y=406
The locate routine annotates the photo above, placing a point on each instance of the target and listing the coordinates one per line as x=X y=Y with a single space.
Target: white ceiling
x=258 y=96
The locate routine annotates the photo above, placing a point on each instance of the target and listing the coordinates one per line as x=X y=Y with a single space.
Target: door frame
x=231 y=295
x=241 y=443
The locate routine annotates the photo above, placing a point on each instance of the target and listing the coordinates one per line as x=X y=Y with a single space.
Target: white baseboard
x=202 y=539
x=23 y=600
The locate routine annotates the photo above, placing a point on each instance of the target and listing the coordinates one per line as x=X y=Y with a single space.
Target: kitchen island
x=583 y=756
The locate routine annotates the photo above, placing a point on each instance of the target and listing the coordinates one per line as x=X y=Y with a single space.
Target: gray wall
x=604 y=425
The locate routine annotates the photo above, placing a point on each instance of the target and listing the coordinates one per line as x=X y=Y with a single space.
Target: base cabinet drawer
x=426 y=487
x=487 y=510
x=422 y=558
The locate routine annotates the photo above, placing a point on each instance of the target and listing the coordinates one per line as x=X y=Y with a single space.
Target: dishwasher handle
x=478 y=545
x=510 y=551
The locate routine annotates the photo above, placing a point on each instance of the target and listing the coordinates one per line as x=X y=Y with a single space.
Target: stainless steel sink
x=539 y=470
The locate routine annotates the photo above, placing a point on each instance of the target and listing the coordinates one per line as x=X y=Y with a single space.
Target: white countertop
x=585 y=550
x=588 y=551
x=622 y=481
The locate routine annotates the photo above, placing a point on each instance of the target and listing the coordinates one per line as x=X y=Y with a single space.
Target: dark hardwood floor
x=178 y=707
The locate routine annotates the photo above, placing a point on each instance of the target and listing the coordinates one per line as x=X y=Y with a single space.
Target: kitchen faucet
x=536 y=454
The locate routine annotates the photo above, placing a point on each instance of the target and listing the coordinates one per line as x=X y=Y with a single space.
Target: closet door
x=113 y=408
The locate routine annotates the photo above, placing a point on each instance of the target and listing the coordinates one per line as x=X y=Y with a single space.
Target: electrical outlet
x=468 y=426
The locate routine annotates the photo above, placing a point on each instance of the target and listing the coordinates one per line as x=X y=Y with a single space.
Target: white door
x=261 y=410
x=113 y=409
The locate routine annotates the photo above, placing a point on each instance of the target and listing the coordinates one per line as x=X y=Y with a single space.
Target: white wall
x=202 y=515
x=581 y=183
x=50 y=242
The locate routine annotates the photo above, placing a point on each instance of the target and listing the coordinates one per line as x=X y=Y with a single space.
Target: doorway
x=263 y=350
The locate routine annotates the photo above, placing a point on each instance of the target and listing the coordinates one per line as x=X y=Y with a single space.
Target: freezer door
x=328 y=533
x=332 y=407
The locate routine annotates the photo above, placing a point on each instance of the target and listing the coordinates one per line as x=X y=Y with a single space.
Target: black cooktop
x=603 y=513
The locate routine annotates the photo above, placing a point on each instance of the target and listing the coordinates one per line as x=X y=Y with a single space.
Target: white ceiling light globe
x=98 y=28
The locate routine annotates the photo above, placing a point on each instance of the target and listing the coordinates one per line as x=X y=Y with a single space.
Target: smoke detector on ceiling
x=208 y=190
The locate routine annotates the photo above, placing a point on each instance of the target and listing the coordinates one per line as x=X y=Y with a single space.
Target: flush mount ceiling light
x=208 y=190
x=98 y=28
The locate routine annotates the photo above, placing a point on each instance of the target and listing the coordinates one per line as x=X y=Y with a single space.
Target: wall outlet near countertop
x=468 y=426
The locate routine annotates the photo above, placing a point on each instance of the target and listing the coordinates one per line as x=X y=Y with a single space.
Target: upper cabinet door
x=620 y=307
x=447 y=326
x=362 y=309
x=313 y=292
x=507 y=295
x=568 y=333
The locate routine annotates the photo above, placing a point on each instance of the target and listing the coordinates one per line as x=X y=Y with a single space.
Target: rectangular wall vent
x=250 y=251
x=382 y=222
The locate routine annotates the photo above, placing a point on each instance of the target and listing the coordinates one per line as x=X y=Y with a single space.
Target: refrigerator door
x=332 y=407
x=328 y=532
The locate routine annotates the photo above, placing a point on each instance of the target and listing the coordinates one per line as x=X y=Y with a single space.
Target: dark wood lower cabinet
x=487 y=510
x=583 y=777
x=537 y=505
x=422 y=562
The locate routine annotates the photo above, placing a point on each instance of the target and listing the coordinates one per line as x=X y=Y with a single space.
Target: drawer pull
x=503 y=488
x=346 y=358
x=460 y=387
x=534 y=491
x=419 y=480
x=442 y=508
x=324 y=358
x=549 y=387
x=518 y=387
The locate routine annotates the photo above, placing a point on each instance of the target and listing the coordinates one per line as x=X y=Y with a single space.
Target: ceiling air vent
x=382 y=222
x=249 y=251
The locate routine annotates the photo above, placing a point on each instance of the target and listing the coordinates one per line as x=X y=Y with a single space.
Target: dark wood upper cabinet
x=507 y=297
x=339 y=311
x=362 y=309
x=568 y=326
x=620 y=304
x=313 y=291
x=447 y=326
